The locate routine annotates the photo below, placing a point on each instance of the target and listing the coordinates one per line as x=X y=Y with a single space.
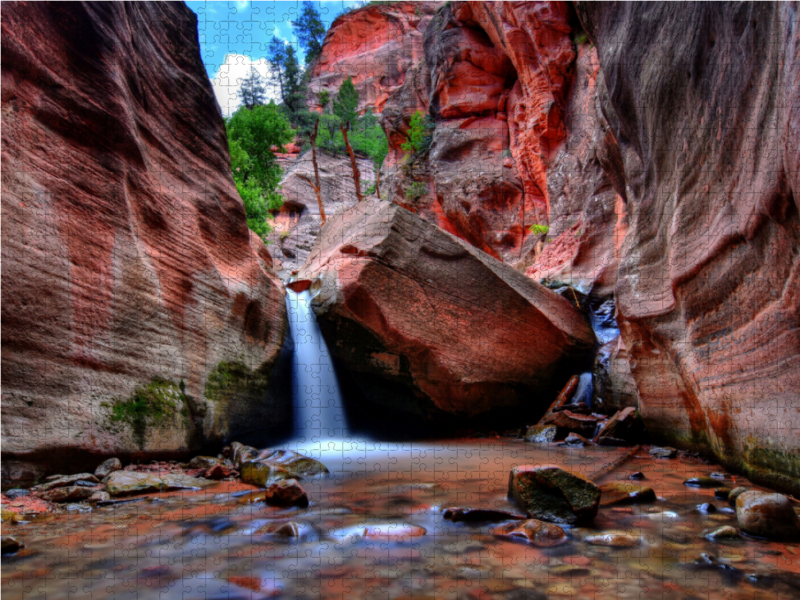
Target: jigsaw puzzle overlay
x=400 y=300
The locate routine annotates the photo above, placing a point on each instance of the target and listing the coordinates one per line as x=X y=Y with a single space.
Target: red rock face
x=709 y=276
x=125 y=250
x=376 y=46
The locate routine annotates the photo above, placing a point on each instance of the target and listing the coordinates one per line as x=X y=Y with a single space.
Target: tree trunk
x=356 y=174
x=378 y=182
x=316 y=184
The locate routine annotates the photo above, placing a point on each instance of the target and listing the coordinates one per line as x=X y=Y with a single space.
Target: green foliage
x=345 y=105
x=366 y=136
x=419 y=134
x=537 y=229
x=151 y=405
x=289 y=77
x=252 y=135
x=324 y=98
x=415 y=191
x=234 y=380
x=310 y=31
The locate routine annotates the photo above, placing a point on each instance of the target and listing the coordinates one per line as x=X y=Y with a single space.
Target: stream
x=375 y=529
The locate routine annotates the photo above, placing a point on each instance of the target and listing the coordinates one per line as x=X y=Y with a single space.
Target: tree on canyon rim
x=252 y=91
x=310 y=31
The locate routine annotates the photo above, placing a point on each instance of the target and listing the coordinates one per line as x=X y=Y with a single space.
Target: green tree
x=252 y=135
x=310 y=31
x=419 y=134
x=288 y=76
x=252 y=91
x=345 y=105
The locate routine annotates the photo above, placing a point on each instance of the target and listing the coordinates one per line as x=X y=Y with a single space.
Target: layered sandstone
x=431 y=327
x=702 y=102
x=128 y=268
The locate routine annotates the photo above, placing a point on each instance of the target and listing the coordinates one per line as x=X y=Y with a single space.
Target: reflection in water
x=318 y=409
x=375 y=529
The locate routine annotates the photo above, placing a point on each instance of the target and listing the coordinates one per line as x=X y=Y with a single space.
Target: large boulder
x=431 y=326
x=553 y=494
x=140 y=316
x=702 y=102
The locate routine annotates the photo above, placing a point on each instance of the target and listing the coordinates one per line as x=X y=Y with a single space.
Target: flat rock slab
x=431 y=326
x=131 y=482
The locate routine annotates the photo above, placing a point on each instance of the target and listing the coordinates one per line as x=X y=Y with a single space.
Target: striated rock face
x=430 y=326
x=376 y=46
x=702 y=102
x=129 y=274
x=297 y=225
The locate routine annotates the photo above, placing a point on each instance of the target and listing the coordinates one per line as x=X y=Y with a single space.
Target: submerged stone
x=538 y=533
x=725 y=532
x=665 y=452
x=286 y=493
x=702 y=482
x=478 y=515
x=130 y=482
x=553 y=494
x=9 y=544
x=767 y=515
x=613 y=539
x=625 y=493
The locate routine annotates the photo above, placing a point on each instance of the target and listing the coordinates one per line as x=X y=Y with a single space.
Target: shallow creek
x=375 y=529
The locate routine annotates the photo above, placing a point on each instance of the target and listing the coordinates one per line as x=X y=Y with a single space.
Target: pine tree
x=310 y=31
x=252 y=92
x=345 y=105
x=288 y=76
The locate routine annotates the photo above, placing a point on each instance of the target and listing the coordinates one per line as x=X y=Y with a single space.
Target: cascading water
x=318 y=410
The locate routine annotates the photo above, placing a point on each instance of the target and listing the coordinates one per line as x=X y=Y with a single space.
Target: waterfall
x=318 y=411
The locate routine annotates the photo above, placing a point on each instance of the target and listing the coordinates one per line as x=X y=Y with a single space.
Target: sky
x=234 y=37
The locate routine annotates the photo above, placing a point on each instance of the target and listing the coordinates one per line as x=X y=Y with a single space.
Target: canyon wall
x=140 y=316
x=704 y=104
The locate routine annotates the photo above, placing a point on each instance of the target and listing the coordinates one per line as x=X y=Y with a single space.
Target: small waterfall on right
x=318 y=409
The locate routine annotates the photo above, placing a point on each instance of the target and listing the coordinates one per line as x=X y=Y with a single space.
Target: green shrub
x=537 y=229
x=415 y=191
x=420 y=134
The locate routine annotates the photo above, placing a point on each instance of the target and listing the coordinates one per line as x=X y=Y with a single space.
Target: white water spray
x=318 y=412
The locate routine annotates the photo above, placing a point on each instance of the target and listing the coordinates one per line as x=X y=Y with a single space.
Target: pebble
x=537 y=533
x=707 y=507
x=767 y=515
x=9 y=544
x=613 y=539
x=726 y=532
x=16 y=493
x=701 y=482
x=665 y=452
x=637 y=476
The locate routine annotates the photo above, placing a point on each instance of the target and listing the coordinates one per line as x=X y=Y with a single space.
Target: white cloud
x=229 y=79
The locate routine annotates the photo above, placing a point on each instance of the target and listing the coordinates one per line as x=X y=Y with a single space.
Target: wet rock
x=269 y=466
x=724 y=532
x=566 y=420
x=290 y=529
x=286 y=493
x=541 y=434
x=579 y=409
x=479 y=515
x=203 y=462
x=665 y=452
x=612 y=442
x=70 y=493
x=767 y=515
x=625 y=493
x=537 y=533
x=735 y=493
x=638 y=475
x=9 y=544
x=722 y=493
x=553 y=494
x=218 y=472
x=707 y=508
x=15 y=493
x=613 y=539
x=65 y=480
x=9 y=516
x=392 y=531
x=575 y=440
x=701 y=482
x=241 y=453
x=441 y=360
x=626 y=425
x=107 y=467
x=100 y=497
x=130 y=482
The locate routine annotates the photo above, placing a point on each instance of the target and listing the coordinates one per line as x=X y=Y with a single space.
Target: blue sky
x=245 y=28
x=234 y=37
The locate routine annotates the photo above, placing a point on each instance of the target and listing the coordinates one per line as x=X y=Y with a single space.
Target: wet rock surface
x=553 y=494
x=537 y=533
x=107 y=467
x=625 y=493
x=767 y=515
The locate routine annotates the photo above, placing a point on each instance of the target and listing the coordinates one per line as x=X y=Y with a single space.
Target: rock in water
x=268 y=466
x=131 y=482
x=553 y=494
x=625 y=493
x=538 y=533
x=286 y=493
x=107 y=467
x=541 y=434
x=121 y=185
x=767 y=515
x=431 y=326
